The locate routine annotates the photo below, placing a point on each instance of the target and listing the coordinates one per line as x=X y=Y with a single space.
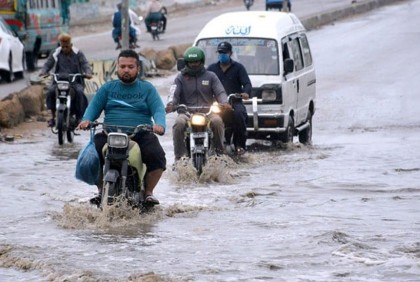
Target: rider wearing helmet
x=195 y=86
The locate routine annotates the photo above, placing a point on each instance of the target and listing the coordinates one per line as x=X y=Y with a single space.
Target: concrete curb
x=327 y=17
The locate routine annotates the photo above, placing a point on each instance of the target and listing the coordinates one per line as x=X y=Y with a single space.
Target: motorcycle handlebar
x=71 y=77
x=129 y=130
x=184 y=109
x=233 y=96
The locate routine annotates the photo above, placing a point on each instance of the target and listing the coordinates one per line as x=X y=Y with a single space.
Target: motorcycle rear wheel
x=70 y=136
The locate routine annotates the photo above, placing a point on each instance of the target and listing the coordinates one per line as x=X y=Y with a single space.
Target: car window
x=5 y=28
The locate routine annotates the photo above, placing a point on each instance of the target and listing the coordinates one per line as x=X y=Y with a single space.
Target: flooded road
x=345 y=209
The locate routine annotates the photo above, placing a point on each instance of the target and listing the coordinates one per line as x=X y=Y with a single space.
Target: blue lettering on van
x=238 y=30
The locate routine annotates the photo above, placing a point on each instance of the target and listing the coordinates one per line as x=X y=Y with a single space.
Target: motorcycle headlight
x=63 y=86
x=215 y=108
x=117 y=140
x=269 y=95
x=197 y=119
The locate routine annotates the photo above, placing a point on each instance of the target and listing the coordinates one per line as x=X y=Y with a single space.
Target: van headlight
x=198 y=119
x=117 y=140
x=269 y=95
x=63 y=86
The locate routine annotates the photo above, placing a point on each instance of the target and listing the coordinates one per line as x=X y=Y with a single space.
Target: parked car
x=11 y=53
x=38 y=24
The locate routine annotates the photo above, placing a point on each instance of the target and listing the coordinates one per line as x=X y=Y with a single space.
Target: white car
x=11 y=53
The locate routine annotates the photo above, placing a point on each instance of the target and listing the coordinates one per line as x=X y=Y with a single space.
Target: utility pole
x=125 y=25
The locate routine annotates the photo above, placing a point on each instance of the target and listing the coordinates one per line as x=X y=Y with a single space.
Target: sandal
x=96 y=200
x=150 y=199
x=240 y=151
x=51 y=123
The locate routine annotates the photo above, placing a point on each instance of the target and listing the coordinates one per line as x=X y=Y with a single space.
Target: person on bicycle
x=67 y=59
x=129 y=101
x=194 y=86
x=235 y=79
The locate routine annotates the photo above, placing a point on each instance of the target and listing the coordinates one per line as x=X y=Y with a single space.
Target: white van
x=275 y=51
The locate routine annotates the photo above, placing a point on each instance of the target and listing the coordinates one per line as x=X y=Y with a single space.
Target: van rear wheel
x=305 y=136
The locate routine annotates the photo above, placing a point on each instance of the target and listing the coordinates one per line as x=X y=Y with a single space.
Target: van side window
x=307 y=57
x=297 y=55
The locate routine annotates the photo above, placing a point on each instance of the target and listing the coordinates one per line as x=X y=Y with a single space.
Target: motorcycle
x=123 y=171
x=248 y=4
x=66 y=122
x=156 y=26
x=133 y=34
x=198 y=135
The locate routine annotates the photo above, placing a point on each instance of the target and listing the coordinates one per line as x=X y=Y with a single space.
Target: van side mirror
x=289 y=65
x=180 y=64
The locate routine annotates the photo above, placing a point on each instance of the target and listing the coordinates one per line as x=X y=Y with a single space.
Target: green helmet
x=194 y=54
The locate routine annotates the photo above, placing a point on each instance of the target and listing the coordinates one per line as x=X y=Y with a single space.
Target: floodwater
x=344 y=209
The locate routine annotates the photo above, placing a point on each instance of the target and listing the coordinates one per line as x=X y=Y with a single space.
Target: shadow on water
x=67 y=151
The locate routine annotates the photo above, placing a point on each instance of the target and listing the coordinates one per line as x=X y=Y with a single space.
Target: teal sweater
x=127 y=104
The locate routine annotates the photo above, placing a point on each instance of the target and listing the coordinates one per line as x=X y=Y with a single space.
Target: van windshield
x=258 y=55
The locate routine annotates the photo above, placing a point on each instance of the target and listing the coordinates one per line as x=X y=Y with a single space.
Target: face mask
x=224 y=58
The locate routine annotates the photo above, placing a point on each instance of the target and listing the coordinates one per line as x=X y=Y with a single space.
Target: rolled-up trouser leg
x=218 y=129
x=178 y=134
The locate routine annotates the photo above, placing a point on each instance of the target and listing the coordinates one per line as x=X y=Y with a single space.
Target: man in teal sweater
x=130 y=102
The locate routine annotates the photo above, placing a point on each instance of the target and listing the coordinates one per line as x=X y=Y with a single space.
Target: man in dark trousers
x=235 y=79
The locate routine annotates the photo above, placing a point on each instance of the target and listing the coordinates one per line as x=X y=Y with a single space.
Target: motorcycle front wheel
x=60 y=127
x=107 y=194
x=198 y=162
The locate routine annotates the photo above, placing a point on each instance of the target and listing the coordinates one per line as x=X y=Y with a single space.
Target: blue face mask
x=224 y=58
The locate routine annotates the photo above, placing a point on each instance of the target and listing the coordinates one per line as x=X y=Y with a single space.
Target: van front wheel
x=287 y=137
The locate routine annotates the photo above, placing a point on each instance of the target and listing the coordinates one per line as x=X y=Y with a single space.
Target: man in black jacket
x=235 y=79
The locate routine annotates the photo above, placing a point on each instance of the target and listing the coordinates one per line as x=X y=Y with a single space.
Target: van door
x=299 y=79
x=290 y=84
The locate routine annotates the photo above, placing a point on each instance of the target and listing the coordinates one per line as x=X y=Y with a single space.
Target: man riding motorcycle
x=116 y=31
x=130 y=101
x=154 y=14
x=67 y=59
x=196 y=87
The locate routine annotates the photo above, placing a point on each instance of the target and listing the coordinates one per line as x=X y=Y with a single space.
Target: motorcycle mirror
x=288 y=66
x=180 y=64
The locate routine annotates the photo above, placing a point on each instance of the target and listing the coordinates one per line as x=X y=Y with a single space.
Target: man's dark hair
x=130 y=54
